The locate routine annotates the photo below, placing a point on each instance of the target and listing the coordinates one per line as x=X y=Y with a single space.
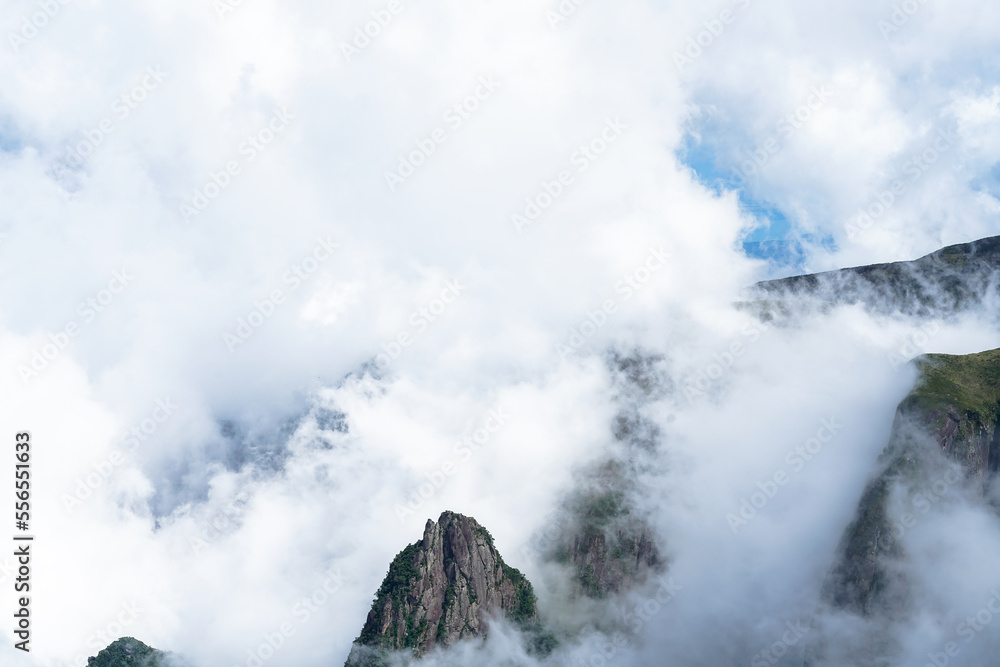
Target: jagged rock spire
x=445 y=588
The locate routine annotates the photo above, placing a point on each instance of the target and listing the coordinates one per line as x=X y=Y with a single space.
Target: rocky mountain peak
x=442 y=589
x=128 y=652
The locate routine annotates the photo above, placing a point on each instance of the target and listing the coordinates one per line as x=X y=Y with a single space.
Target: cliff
x=953 y=411
x=445 y=588
x=607 y=545
x=607 y=548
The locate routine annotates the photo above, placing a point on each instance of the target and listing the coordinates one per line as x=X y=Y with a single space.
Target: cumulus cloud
x=244 y=352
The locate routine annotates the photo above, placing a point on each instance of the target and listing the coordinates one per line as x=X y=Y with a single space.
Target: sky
x=265 y=263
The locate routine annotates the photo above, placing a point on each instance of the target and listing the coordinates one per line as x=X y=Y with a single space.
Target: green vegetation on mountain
x=402 y=571
x=955 y=410
x=969 y=384
x=442 y=589
x=129 y=652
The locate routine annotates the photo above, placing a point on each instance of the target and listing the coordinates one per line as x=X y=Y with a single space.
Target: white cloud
x=317 y=497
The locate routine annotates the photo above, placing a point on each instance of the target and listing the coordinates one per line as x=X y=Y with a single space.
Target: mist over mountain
x=944 y=283
x=282 y=282
x=603 y=563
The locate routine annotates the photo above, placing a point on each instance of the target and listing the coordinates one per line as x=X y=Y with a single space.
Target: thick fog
x=282 y=281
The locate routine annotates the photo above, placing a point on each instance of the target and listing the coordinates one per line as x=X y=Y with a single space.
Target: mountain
x=604 y=543
x=448 y=586
x=607 y=549
x=128 y=652
x=945 y=437
x=442 y=589
x=953 y=279
x=954 y=413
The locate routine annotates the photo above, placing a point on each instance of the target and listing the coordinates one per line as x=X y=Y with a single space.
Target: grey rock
x=445 y=588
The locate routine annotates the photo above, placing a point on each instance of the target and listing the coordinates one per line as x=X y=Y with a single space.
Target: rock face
x=608 y=549
x=612 y=563
x=954 y=411
x=129 y=652
x=944 y=440
x=952 y=279
x=443 y=589
x=606 y=544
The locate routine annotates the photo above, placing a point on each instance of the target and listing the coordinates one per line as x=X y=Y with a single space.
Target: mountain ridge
x=942 y=283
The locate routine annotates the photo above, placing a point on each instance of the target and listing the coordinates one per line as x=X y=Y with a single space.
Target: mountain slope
x=955 y=409
x=606 y=545
x=944 y=282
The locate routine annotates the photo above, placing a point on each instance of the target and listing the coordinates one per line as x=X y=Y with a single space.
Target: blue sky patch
x=9 y=139
x=774 y=237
